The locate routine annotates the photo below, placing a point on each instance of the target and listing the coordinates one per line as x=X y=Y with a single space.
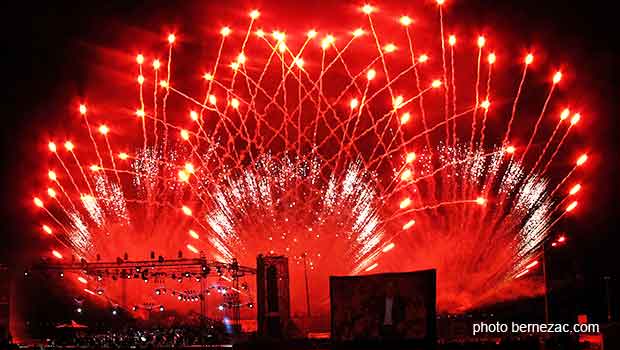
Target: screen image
x=383 y=306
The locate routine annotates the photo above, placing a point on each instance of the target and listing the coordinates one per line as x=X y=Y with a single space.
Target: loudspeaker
x=273 y=299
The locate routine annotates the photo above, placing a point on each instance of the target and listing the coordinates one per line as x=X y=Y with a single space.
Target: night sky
x=46 y=53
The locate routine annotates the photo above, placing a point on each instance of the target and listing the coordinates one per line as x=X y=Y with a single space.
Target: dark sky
x=44 y=61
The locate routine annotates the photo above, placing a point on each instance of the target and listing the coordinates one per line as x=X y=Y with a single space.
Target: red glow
x=56 y=254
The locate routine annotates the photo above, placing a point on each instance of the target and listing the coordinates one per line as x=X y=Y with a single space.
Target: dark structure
x=5 y=301
x=395 y=307
x=272 y=291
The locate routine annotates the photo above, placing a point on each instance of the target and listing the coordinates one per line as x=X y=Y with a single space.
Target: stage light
x=135 y=308
x=82 y=109
x=481 y=201
x=575 y=119
x=557 y=77
x=79 y=310
x=161 y=308
x=225 y=31
x=114 y=312
x=56 y=254
x=221 y=307
x=436 y=84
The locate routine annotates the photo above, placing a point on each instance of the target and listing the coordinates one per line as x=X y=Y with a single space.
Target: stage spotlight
x=26 y=273
x=187 y=274
x=137 y=268
x=61 y=274
x=79 y=310
x=114 y=312
x=135 y=308
x=221 y=307
x=157 y=292
x=251 y=305
x=161 y=308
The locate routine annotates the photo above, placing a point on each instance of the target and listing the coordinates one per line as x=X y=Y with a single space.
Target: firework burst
x=350 y=153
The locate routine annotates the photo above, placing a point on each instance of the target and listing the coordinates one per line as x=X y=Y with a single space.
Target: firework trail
x=332 y=148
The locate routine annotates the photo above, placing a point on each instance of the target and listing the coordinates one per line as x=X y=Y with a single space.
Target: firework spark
x=352 y=152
